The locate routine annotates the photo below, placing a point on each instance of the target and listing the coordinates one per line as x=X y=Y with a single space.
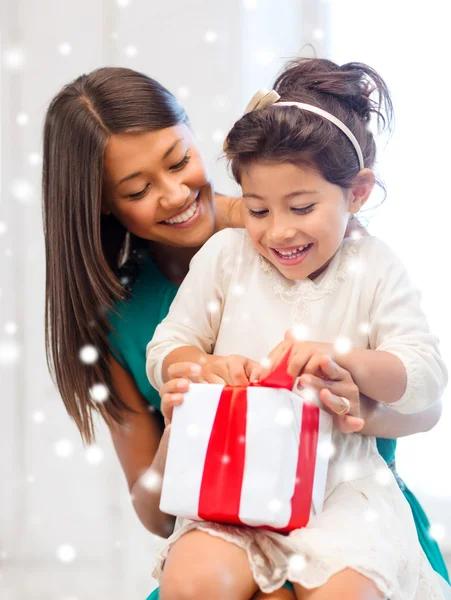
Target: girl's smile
x=296 y=218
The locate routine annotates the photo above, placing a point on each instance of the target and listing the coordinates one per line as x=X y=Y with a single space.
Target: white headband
x=264 y=98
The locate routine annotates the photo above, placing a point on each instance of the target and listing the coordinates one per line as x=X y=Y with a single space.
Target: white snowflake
x=193 y=430
x=210 y=37
x=213 y=306
x=237 y=290
x=151 y=480
x=343 y=345
x=309 y=395
x=349 y=470
x=318 y=34
x=10 y=328
x=3 y=227
x=94 y=454
x=437 y=532
x=263 y=57
x=22 y=191
x=284 y=417
x=31 y=478
x=383 y=476
x=275 y=505
x=364 y=328
x=22 y=119
x=131 y=51
x=300 y=332
x=356 y=235
x=218 y=136
x=225 y=459
x=38 y=417
x=297 y=563
x=89 y=354
x=183 y=92
x=10 y=352
x=65 y=49
x=326 y=449
x=66 y=553
x=99 y=392
x=123 y=3
x=14 y=58
x=370 y=516
x=250 y=4
x=64 y=448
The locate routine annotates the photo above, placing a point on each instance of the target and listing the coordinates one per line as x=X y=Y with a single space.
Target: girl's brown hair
x=81 y=245
x=294 y=135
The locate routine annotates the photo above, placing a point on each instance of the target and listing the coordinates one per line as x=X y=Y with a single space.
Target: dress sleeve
x=398 y=325
x=195 y=314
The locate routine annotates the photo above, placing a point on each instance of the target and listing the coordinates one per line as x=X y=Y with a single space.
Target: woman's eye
x=140 y=194
x=257 y=213
x=182 y=163
x=304 y=210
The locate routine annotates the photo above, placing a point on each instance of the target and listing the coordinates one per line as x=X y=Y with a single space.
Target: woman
x=127 y=203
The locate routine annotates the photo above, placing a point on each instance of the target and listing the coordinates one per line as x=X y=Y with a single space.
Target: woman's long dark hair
x=81 y=245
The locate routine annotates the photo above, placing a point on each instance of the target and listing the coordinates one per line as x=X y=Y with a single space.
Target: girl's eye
x=257 y=213
x=304 y=210
x=140 y=194
x=182 y=163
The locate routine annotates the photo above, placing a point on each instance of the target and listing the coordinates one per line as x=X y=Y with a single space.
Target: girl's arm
x=141 y=447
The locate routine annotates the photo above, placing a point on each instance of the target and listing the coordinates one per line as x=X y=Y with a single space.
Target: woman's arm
x=384 y=422
x=141 y=447
x=228 y=212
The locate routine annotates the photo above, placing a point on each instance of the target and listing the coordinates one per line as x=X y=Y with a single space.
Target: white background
x=67 y=529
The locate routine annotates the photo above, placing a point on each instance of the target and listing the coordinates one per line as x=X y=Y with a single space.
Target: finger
x=209 y=377
x=313 y=365
x=184 y=369
x=350 y=424
x=252 y=369
x=236 y=370
x=174 y=386
x=168 y=401
x=332 y=370
x=311 y=381
x=298 y=360
x=335 y=403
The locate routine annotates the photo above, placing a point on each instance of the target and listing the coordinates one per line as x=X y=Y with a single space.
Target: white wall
x=67 y=529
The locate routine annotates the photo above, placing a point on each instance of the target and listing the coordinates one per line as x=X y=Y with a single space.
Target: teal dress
x=134 y=326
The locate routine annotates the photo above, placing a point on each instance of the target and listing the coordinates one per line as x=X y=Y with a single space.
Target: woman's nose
x=175 y=195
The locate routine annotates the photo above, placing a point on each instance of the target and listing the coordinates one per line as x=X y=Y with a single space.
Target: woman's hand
x=334 y=385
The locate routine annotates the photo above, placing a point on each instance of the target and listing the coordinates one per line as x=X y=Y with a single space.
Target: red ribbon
x=220 y=493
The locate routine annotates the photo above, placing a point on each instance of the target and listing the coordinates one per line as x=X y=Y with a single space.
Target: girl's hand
x=300 y=354
x=334 y=384
x=226 y=370
x=171 y=394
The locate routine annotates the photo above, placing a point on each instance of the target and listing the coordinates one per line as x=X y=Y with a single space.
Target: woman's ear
x=361 y=189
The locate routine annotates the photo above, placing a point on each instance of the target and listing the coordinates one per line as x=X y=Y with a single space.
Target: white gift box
x=251 y=456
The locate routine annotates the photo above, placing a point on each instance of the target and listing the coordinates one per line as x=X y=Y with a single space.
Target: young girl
x=303 y=156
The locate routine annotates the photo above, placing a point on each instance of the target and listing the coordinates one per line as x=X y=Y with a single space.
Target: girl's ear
x=361 y=190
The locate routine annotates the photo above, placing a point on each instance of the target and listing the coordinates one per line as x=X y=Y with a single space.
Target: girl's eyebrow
x=286 y=197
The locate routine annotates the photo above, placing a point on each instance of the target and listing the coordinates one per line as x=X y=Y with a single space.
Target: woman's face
x=157 y=185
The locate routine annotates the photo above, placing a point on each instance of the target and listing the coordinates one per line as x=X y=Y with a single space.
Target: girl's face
x=295 y=218
x=157 y=185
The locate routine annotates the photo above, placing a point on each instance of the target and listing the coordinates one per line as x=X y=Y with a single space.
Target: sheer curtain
x=408 y=43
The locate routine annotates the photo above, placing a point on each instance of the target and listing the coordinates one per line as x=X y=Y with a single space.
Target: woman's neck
x=172 y=261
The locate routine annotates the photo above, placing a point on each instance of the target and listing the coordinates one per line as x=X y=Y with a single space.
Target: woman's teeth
x=292 y=253
x=184 y=216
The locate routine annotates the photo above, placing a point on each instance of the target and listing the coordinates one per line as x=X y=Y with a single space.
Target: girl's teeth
x=184 y=216
x=292 y=253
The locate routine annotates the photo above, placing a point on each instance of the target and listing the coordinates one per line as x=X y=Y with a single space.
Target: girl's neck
x=172 y=261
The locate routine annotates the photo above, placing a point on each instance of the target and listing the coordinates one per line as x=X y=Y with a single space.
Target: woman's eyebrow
x=166 y=154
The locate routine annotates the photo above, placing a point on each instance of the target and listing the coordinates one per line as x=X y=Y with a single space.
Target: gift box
x=247 y=455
